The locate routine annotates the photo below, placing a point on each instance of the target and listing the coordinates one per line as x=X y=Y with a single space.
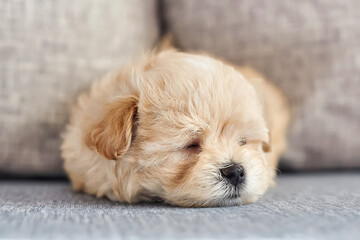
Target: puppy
x=185 y=128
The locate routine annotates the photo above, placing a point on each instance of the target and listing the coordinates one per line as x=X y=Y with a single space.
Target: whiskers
x=227 y=194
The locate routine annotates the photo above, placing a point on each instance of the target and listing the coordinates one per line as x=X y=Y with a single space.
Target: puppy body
x=166 y=127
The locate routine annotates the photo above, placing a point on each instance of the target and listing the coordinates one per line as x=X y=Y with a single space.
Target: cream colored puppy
x=184 y=128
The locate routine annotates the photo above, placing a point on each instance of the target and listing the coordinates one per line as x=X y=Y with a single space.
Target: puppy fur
x=163 y=129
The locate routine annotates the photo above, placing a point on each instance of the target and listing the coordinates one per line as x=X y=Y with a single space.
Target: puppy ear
x=111 y=137
x=266 y=146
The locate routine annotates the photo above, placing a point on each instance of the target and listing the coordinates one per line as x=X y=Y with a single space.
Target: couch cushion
x=49 y=52
x=309 y=48
x=312 y=206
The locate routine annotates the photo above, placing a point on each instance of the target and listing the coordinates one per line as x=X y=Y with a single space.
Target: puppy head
x=195 y=133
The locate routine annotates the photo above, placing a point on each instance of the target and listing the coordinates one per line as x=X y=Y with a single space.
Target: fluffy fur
x=162 y=130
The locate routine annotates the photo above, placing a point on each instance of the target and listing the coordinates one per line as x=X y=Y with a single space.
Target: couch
x=50 y=51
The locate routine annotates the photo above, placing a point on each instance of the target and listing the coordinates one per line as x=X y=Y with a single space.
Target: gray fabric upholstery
x=309 y=48
x=49 y=52
x=310 y=206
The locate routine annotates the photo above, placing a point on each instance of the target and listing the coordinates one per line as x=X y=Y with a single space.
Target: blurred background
x=51 y=50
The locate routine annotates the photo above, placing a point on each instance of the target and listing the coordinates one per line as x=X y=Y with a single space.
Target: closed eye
x=194 y=147
x=242 y=141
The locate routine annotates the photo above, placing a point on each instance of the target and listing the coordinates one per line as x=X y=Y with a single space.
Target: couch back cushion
x=49 y=52
x=309 y=48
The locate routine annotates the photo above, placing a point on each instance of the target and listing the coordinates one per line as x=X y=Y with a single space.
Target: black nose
x=234 y=173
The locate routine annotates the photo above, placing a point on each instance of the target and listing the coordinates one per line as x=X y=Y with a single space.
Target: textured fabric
x=50 y=50
x=323 y=206
x=309 y=48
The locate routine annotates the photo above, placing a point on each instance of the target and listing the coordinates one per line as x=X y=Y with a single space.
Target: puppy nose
x=234 y=173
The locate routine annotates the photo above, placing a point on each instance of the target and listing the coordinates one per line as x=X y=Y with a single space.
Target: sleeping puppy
x=185 y=128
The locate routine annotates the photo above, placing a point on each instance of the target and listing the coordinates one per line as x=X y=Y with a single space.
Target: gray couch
x=301 y=206
x=51 y=50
